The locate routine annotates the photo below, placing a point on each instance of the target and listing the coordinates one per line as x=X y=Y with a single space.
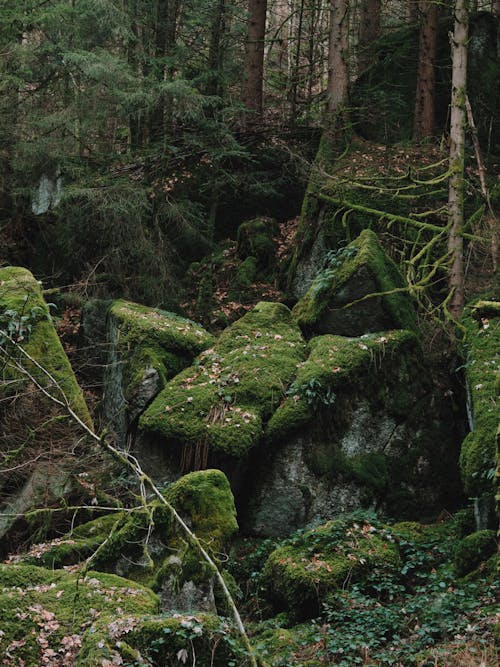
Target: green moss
x=318 y=562
x=20 y=292
x=364 y=253
x=203 y=499
x=256 y=238
x=41 y=609
x=473 y=550
x=153 y=338
x=482 y=346
x=334 y=362
x=162 y=640
x=224 y=398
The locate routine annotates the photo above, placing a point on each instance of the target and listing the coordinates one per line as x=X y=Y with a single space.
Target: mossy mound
x=21 y=296
x=55 y=618
x=257 y=238
x=361 y=291
x=46 y=616
x=37 y=434
x=335 y=362
x=146 y=545
x=223 y=400
x=305 y=569
x=482 y=366
x=474 y=550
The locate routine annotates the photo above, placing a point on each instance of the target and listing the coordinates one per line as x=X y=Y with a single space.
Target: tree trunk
x=166 y=19
x=457 y=158
x=412 y=11
x=338 y=78
x=369 y=31
x=423 y=123
x=254 y=60
x=295 y=74
x=216 y=50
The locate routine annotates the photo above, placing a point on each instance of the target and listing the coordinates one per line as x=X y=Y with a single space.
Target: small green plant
x=333 y=261
x=314 y=393
x=16 y=326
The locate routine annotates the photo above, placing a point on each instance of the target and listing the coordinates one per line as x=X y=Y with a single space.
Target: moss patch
x=361 y=275
x=334 y=362
x=317 y=562
x=257 y=238
x=234 y=387
x=473 y=550
x=139 y=544
x=481 y=346
x=21 y=294
x=153 y=338
x=46 y=615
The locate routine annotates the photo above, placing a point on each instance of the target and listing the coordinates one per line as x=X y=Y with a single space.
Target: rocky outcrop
x=216 y=410
x=350 y=434
x=478 y=455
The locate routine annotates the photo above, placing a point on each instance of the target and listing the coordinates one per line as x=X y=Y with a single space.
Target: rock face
x=147 y=347
x=359 y=291
x=36 y=433
x=148 y=546
x=350 y=434
x=482 y=370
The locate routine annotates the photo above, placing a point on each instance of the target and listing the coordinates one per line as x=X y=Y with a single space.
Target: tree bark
x=254 y=60
x=457 y=159
x=338 y=78
x=412 y=11
x=369 y=31
x=423 y=123
x=165 y=33
x=216 y=49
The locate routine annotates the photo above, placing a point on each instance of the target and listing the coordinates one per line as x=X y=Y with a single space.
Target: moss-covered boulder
x=299 y=574
x=350 y=434
x=57 y=618
x=147 y=546
x=37 y=434
x=474 y=550
x=147 y=347
x=482 y=369
x=257 y=238
x=361 y=290
x=47 y=616
x=217 y=408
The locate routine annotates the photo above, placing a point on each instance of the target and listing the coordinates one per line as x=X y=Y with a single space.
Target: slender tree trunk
x=295 y=74
x=254 y=60
x=457 y=158
x=338 y=78
x=413 y=11
x=166 y=19
x=369 y=30
x=216 y=49
x=423 y=122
